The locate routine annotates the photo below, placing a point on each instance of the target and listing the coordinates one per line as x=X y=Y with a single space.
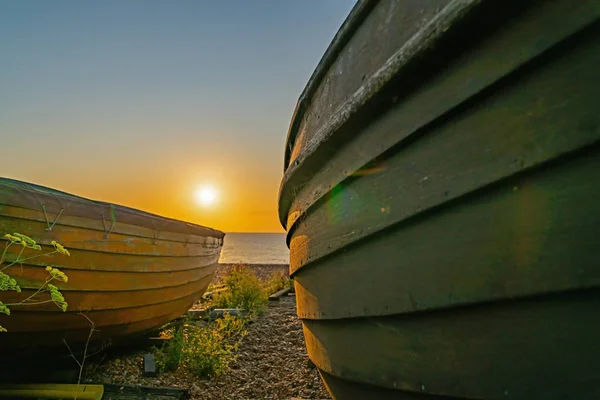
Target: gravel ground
x=271 y=364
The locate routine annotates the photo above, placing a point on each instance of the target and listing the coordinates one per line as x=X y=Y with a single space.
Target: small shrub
x=205 y=351
x=277 y=281
x=168 y=357
x=215 y=286
x=244 y=290
x=211 y=349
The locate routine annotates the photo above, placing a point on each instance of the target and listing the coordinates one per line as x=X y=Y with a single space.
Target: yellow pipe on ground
x=52 y=391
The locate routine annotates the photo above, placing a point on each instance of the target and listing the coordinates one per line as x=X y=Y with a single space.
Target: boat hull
x=440 y=201
x=128 y=271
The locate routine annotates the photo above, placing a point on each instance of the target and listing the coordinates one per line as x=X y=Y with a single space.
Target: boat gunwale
x=421 y=42
x=352 y=22
x=122 y=228
x=22 y=186
x=143 y=240
x=93 y=240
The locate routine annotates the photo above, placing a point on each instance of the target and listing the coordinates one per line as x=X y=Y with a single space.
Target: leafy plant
x=168 y=357
x=18 y=240
x=213 y=347
x=244 y=290
x=277 y=281
x=205 y=351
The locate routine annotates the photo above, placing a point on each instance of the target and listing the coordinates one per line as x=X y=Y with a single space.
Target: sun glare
x=206 y=195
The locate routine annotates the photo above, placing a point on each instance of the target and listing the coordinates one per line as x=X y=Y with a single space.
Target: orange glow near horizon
x=161 y=105
x=244 y=196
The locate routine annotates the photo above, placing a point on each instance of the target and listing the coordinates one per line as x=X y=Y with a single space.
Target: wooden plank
x=128 y=392
x=99 y=225
x=220 y=312
x=19 y=322
x=463 y=75
x=542 y=348
x=209 y=295
x=81 y=300
x=500 y=244
x=545 y=114
x=91 y=260
x=275 y=296
x=90 y=239
x=198 y=313
x=97 y=281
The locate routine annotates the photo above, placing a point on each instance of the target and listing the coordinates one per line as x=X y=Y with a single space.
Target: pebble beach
x=271 y=362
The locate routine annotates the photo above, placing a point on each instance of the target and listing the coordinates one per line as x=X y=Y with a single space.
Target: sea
x=255 y=248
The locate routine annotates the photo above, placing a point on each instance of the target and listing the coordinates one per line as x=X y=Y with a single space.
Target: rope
x=112 y=225
x=50 y=227
x=155 y=232
x=188 y=236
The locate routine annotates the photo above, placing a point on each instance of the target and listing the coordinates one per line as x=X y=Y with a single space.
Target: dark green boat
x=441 y=199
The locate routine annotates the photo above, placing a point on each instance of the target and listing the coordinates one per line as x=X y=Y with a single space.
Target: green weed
x=203 y=350
x=244 y=290
x=22 y=242
x=277 y=281
x=168 y=357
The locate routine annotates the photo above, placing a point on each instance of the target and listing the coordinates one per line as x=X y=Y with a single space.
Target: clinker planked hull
x=129 y=271
x=440 y=198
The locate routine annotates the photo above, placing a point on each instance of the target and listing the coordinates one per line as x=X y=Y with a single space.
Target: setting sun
x=206 y=195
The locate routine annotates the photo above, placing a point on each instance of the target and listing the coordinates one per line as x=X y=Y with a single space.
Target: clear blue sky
x=137 y=101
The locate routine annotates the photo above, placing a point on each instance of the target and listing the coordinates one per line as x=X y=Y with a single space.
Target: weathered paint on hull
x=440 y=198
x=129 y=271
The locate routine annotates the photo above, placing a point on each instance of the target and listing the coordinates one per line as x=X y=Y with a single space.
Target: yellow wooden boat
x=128 y=271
